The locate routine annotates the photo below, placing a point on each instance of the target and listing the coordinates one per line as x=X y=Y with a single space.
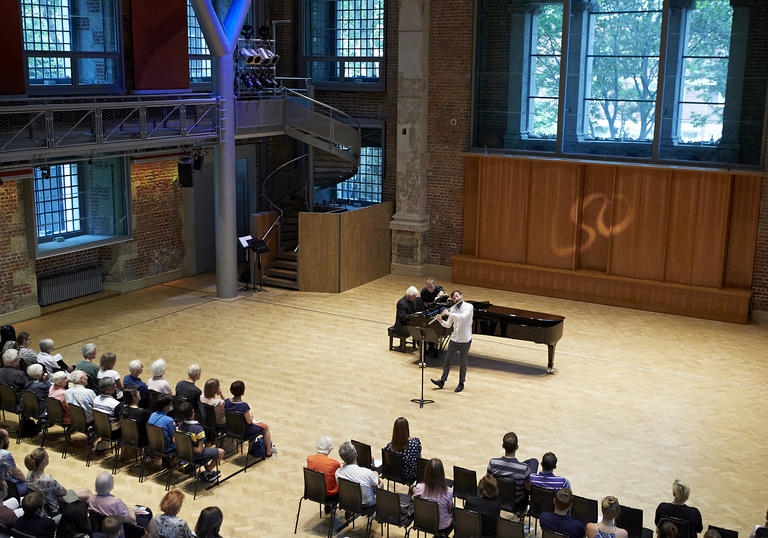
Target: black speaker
x=185 y=172
x=197 y=164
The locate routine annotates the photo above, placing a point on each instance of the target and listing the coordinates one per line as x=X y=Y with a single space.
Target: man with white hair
x=40 y=387
x=328 y=466
x=107 y=404
x=80 y=395
x=409 y=304
x=89 y=367
x=186 y=387
x=10 y=375
x=135 y=368
x=368 y=479
x=50 y=362
x=158 y=382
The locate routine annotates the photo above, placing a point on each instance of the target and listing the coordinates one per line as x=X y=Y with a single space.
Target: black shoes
x=459 y=387
x=438 y=382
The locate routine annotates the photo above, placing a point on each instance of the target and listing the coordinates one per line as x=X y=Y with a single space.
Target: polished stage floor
x=638 y=399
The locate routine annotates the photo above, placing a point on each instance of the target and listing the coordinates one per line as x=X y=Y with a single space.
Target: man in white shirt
x=368 y=479
x=79 y=394
x=460 y=318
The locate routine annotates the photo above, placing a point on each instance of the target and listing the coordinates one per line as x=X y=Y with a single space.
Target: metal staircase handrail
x=272 y=204
x=356 y=124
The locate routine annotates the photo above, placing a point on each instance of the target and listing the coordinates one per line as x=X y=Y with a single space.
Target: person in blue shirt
x=160 y=418
x=559 y=521
x=133 y=380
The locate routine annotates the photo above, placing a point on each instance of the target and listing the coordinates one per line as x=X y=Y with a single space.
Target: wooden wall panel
x=596 y=217
x=260 y=223
x=745 y=210
x=471 y=216
x=711 y=225
x=638 y=237
x=553 y=207
x=503 y=208
x=319 y=252
x=364 y=245
x=681 y=233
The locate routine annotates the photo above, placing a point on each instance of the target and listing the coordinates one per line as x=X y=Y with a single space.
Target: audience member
x=34 y=521
x=38 y=480
x=111 y=527
x=10 y=344
x=212 y=396
x=107 y=370
x=667 y=530
x=712 y=533
x=89 y=367
x=9 y=471
x=27 y=355
x=158 y=383
x=106 y=403
x=132 y=411
x=8 y=516
x=546 y=478
x=328 y=466
x=168 y=524
x=487 y=504
x=50 y=362
x=186 y=388
x=209 y=523
x=135 y=368
x=510 y=468
x=607 y=528
x=210 y=457
x=680 y=510
x=409 y=304
x=435 y=488
x=11 y=376
x=160 y=418
x=350 y=470
x=253 y=427
x=80 y=395
x=408 y=447
x=7 y=333
x=74 y=522
x=58 y=389
x=39 y=388
x=429 y=294
x=762 y=530
x=107 y=504
x=559 y=521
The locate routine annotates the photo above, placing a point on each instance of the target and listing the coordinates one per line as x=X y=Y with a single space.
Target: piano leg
x=550 y=359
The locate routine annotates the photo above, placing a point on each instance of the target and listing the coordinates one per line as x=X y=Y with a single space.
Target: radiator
x=65 y=286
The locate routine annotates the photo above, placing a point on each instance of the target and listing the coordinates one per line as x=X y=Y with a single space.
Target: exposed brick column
x=410 y=222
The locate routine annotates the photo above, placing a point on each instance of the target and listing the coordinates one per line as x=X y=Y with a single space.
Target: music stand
x=423 y=335
x=259 y=247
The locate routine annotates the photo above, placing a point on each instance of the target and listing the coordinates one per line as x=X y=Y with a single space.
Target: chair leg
x=196 y=476
x=117 y=458
x=333 y=520
x=88 y=440
x=66 y=443
x=169 y=472
x=296 y=527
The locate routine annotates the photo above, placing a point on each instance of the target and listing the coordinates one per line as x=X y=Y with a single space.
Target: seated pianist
x=432 y=293
x=407 y=305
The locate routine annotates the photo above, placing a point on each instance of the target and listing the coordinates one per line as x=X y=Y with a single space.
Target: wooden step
x=281 y=282
x=281 y=273
x=282 y=263
x=287 y=255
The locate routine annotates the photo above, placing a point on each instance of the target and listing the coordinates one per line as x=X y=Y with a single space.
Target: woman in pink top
x=434 y=488
x=57 y=390
x=213 y=397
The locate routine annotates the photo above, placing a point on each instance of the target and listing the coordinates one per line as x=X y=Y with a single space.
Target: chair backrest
x=583 y=509
x=512 y=495
x=426 y=516
x=761 y=532
x=7 y=398
x=506 y=528
x=464 y=482
x=350 y=496
x=421 y=466
x=29 y=404
x=177 y=401
x=207 y=420
x=155 y=438
x=314 y=485
x=235 y=424
x=101 y=423
x=391 y=465
x=79 y=422
x=96 y=519
x=15 y=533
x=55 y=412
x=133 y=531
x=152 y=396
x=129 y=432
x=466 y=524
x=725 y=533
x=550 y=534
x=682 y=525
x=631 y=519
x=542 y=500
x=387 y=507
x=183 y=445
x=363 y=454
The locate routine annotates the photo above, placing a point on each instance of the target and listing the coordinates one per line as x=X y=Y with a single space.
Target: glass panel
x=96 y=71
x=56 y=193
x=46 y=71
x=199 y=56
x=94 y=25
x=365 y=186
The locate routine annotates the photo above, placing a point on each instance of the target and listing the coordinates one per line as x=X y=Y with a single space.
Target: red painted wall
x=159 y=44
x=11 y=60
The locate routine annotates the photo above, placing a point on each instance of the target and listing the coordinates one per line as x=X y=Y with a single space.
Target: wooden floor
x=638 y=399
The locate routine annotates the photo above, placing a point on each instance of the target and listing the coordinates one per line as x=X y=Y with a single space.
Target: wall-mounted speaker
x=185 y=172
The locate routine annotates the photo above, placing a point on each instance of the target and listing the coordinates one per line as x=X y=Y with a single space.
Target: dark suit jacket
x=404 y=309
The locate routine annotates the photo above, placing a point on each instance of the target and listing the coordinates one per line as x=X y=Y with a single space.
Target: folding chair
x=80 y=424
x=9 y=402
x=392 y=468
x=103 y=428
x=130 y=436
x=30 y=408
x=156 y=446
x=467 y=524
x=236 y=430
x=364 y=458
x=314 y=490
x=506 y=528
x=583 y=509
x=631 y=519
x=351 y=500
x=56 y=418
x=207 y=419
x=542 y=500
x=388 y=511
x=683 y=525
x=426 y=517
x=464 y=483
x=185 y=452
x=724 y=533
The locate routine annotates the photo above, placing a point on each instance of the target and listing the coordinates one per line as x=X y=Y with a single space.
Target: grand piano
x=501 y=321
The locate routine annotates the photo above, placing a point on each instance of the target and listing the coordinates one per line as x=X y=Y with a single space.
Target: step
x=281 y=282
x=281 y=273
x=281 y=263
x=287 y=255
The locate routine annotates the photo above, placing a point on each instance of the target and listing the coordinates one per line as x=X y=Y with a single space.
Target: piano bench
x=392 y=333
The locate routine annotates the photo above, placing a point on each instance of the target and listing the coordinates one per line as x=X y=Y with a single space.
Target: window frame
x=342 y=84
x=197 y=85
x=75 y=88
x=370 y=126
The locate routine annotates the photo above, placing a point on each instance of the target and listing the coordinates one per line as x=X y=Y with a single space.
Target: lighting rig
x=255 y=60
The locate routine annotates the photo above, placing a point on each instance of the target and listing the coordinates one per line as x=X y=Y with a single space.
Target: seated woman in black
x=253 y=427
x=487 y=504
x=132 y=411
x=408 y=447
x=680 y=510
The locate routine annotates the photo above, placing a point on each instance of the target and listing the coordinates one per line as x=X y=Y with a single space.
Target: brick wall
x=17 y=268
x=760 y=273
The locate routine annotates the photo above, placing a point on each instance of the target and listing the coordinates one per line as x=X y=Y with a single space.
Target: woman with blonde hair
x=678 y=509
x=38 y=480
x=607 y=527
x=408 y=447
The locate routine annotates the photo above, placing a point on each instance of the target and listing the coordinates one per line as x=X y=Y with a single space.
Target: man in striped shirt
x=546 y=478
x=508 y=467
